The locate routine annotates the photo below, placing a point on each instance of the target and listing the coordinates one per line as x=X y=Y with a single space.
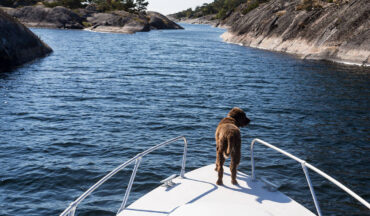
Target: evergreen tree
x=129 y=5
x=71 y=3
x=141 y=5
x=17 y=3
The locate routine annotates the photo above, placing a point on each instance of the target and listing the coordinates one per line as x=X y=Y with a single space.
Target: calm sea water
x=99 y=99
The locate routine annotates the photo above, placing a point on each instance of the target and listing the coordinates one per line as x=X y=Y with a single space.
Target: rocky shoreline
x=206 y=20
x=302 y=49
x=337 y=32
x=18 y=45
x=332 y=32
x=91 y=19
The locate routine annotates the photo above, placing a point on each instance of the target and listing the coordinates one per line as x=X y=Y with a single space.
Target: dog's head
x=239 y=115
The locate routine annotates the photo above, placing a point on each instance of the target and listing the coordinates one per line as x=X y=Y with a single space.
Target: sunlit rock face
x=326 y=31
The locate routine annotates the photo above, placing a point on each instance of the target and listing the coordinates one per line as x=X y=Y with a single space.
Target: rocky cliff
x=320 y=30
x=159 y=21
x=40 y=16
x=124 y=22
x=91 y=19
x=18 y=44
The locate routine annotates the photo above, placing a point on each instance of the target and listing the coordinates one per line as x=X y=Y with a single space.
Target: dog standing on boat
x=228 y=142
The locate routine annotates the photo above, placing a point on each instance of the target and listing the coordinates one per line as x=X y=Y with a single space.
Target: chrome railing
x=70 y=211
x=304 y=167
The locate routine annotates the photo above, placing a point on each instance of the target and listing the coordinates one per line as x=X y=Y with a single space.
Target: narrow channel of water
x=99 y=99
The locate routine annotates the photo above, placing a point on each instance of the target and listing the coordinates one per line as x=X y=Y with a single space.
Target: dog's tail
x=230 y=146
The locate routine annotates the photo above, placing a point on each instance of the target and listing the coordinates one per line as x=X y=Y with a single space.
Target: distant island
x=19 y=45
x=334 y=30
x=126 y=16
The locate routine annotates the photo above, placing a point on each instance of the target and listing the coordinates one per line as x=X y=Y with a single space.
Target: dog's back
x=227 y=136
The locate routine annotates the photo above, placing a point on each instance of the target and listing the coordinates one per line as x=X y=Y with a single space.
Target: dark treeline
x=219 y=7
x=101 y=5
x=222 y=8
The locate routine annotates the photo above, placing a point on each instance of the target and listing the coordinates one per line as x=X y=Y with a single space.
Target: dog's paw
x=234 y=182
x=219 y=182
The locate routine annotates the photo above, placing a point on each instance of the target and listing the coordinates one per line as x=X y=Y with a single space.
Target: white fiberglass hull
x=197 y=194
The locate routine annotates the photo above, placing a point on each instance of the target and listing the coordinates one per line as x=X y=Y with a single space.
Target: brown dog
x=228 y=142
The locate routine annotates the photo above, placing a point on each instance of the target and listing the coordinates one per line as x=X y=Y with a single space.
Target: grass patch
x=86 y=24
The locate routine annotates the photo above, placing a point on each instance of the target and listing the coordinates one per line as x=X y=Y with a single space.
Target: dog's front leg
x=220 y=160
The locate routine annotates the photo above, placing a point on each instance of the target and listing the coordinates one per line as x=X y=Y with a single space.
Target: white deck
x=198 y=194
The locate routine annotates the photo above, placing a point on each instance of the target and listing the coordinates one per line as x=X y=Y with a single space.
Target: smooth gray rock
x=124 y=22
x=159 y=21
x=91 y=19
x=18 y=44
x=40 y=16
x=118 y=21
x=328 y=31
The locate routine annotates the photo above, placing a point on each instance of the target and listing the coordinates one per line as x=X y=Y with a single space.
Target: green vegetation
x=252 y=4
x=218 y=7
x=141 y=5
x=126 y=5
x=86 y=24
x=101 y=5
x=221 y=8
x=17 y=3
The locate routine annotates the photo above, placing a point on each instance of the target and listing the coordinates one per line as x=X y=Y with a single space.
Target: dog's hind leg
x=220 y=160
x=216 y=169
x=233 y=168
x=235 y=160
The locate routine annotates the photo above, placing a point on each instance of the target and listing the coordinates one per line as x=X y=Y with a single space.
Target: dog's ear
x=235 y=113
x=240 y=116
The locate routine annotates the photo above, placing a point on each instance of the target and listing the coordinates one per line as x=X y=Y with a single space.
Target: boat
x=195 y=192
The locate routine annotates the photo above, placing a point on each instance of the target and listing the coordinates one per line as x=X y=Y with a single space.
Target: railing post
x=311 y=188
x=182 y=173
x=305 y=170
x=252 y=160
x=72 y=211
x=128 y=190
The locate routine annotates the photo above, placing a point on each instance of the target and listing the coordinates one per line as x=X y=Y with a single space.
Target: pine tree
x=129 y=5
x=141 y=5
